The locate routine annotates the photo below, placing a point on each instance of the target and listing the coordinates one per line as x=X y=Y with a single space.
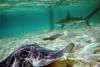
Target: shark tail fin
x=87 y=18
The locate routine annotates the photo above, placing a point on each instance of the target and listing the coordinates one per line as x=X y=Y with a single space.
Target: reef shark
x=69 y=19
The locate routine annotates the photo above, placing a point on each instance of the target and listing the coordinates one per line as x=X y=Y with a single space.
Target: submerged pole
x=51 y=18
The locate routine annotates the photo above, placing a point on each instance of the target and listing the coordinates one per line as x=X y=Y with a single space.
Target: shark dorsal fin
x=68 y=15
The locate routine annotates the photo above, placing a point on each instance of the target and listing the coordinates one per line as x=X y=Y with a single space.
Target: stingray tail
x=67 y=49
x=87 y=18
x=60 y=53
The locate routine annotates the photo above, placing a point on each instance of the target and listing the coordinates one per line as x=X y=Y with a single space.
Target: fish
x=75 y=20
x=53 y=37
x=31 y=55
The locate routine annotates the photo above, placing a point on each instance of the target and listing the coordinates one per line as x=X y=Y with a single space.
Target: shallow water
x=22 y=23
x=86 y=42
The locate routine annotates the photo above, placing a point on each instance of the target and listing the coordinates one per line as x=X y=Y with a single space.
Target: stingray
x=31 y=55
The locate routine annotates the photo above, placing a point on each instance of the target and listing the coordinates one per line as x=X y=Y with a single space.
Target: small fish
x=53 y=37
x=31 y=55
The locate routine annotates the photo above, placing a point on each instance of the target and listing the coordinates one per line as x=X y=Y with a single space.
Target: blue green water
x=15 y=22
x=24 y=23
x=20 y=21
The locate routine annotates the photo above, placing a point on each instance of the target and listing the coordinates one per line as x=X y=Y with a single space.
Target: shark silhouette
x=69 y=19
x=32 y=55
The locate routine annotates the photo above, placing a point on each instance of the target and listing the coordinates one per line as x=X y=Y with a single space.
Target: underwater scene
x=49 y=33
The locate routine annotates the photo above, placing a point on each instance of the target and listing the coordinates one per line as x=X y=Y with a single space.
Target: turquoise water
x=24 y=23
x=19 y=21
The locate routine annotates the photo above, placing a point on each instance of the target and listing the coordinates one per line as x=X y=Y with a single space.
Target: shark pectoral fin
x=62 y=26
x=87 y=22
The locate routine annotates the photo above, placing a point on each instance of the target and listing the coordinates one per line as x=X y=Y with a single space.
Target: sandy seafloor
x=85 y=52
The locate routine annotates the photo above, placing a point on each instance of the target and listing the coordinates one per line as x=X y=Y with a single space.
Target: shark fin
x=92 y=13
x=68 y=15
x=87 y=18
x=87 y=22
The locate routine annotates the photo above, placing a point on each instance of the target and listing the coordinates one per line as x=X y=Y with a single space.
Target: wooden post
x=51 y=17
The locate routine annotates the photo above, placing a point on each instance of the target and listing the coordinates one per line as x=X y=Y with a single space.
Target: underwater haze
x=20 y=17
x=29 y=21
